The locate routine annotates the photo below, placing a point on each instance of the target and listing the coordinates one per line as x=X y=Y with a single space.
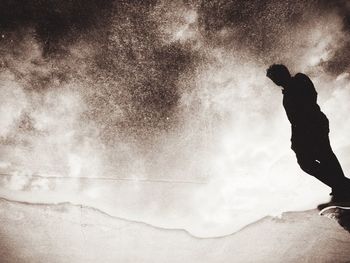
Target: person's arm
x=306 y=89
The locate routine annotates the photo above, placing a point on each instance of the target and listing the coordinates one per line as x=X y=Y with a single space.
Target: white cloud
x=12 y=103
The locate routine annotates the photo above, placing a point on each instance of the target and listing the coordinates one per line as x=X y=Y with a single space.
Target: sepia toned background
x=159 y=113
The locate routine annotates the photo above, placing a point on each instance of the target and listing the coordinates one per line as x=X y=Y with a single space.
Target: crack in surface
x=104 y=178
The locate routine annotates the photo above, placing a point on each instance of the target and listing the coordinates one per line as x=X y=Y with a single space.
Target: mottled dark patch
x=340 y=62
x=254 y=25
x=130 y=77
x=137 y=75
x=57 y=23
x=261 y=28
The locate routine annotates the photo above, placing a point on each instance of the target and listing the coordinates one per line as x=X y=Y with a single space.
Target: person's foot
x=336 y=200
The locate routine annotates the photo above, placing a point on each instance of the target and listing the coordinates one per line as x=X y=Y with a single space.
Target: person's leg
x=311 y=166
x=315 y=157
x=330 y=170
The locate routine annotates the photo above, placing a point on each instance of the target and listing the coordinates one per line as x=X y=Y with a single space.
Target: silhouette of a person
x=310 y=128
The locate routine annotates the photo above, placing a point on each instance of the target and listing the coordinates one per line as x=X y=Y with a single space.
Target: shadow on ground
x=344 y=220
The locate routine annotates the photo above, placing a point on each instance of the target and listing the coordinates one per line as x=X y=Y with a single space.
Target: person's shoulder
x=301 y=78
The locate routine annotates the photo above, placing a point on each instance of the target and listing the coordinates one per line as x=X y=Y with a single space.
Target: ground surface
x=70 y=233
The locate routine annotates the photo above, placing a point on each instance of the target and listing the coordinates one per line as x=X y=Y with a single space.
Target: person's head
x=279 y=74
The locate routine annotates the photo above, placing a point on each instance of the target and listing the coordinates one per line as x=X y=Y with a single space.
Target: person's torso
x=300 y=103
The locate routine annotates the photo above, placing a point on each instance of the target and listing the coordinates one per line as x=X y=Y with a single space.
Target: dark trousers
x=315 y=157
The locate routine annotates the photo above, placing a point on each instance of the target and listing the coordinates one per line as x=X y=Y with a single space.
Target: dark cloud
x=257 y=25
x=138 y=74
x=56 y=23
x=265 y=29
x=130 y=76
x=340 y=62
x=128 y=70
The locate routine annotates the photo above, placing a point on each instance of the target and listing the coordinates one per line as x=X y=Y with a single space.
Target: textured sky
x=160 y=111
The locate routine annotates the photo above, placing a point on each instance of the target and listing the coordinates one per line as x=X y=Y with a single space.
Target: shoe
x=336 y=200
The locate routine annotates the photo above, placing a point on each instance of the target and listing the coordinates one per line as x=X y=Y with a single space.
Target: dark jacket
x=303 y=112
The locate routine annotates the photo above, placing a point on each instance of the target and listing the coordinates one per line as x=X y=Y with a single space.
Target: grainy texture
x=160 y=112
x=67 y=233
